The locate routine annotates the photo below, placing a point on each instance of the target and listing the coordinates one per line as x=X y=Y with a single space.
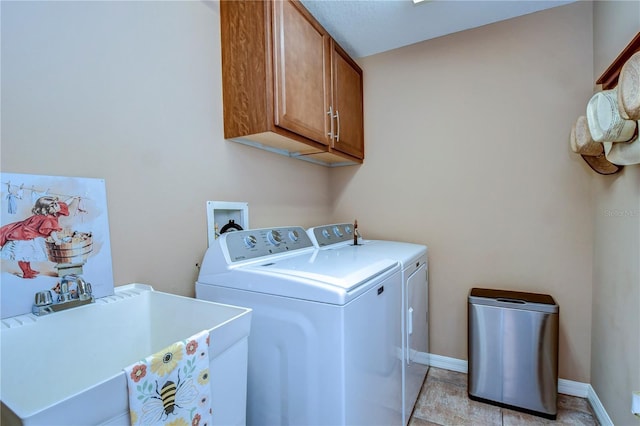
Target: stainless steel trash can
x=513 y=350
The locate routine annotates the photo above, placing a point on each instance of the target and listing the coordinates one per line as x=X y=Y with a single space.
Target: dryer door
x=416 y=338
x=417 y=327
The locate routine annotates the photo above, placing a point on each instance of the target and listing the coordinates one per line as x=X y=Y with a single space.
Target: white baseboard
x=447 y=363
x=569 y=387
x=598 y=408
x=566 y=387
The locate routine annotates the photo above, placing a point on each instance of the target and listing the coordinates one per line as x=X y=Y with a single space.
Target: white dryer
x=415 y=319
x=326 y=338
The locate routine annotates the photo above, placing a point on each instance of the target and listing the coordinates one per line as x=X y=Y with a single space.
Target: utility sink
x=66 y=368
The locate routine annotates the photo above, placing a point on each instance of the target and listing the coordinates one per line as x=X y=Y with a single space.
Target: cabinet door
x=301 y=72
x=347 y=104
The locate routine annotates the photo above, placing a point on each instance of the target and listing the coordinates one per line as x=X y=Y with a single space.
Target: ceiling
x=367 y=27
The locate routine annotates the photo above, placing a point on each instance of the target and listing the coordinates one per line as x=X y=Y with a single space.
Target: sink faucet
x=44 y=303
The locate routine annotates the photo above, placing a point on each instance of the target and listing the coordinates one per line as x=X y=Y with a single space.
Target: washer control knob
x=325 y=233
x=347 y=229
x=250 y=241
x=274 y=237
x=293 y=235
x=336 y=231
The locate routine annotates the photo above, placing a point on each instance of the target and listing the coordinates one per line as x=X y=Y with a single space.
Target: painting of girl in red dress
x=24 y=241
x=50 y=227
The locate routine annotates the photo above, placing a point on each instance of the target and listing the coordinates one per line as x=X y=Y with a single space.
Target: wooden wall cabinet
x=287 y=86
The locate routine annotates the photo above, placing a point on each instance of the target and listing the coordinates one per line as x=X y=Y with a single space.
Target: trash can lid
x=513 y=299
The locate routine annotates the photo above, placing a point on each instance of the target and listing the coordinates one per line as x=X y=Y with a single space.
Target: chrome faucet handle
x=84 y=289
x=43 y=298
x=64 y=291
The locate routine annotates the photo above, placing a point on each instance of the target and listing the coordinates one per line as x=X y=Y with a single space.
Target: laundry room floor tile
x=453 y=407
x=565 y=417
x=444 y=401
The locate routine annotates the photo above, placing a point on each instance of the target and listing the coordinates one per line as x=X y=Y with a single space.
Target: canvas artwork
x=51 y=227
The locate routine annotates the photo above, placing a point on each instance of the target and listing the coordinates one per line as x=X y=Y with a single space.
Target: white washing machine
x=326 y=337
x=415 y=318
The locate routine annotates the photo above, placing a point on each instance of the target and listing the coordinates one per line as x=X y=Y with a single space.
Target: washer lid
x=344 y=270
x=405 y=253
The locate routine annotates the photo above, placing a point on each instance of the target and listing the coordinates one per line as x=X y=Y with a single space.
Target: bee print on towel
x=167 y=399
x=172 y=386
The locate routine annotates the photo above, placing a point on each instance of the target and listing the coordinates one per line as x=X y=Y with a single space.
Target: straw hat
x=601 y=164
x=572 y=139
x=629 y=88
x=605 y=122
x=581 y=141
x=592 y=152
x=623 y=153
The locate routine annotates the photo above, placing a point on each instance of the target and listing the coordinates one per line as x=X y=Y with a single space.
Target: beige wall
x=131 y=92
x=467 y=152
x=615 y=373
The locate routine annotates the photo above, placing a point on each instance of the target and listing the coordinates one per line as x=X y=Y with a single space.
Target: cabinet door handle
x=338 y=132
x=330 y=114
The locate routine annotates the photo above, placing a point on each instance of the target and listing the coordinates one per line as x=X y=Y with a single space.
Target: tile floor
x=443 y=400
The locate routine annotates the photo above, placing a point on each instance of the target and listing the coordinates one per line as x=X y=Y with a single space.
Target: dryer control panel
x=255 y=243
x=327 y=235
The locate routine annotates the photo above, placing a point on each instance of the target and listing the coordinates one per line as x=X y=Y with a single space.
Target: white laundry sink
x=66 y=368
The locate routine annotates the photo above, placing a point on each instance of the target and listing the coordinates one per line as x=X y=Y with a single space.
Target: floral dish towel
x=171 y=387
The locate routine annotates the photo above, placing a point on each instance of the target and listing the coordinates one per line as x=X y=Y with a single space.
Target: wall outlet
x=635 y=403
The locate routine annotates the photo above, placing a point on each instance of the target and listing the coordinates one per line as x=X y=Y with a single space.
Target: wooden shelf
x=609 y=79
